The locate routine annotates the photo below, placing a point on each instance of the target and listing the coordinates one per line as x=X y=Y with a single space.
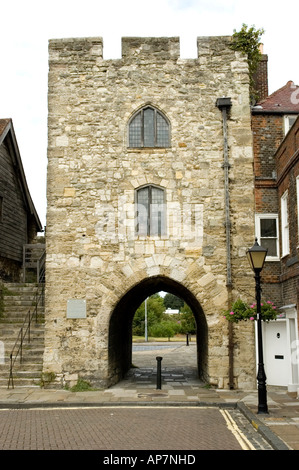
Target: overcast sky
x=26 y=27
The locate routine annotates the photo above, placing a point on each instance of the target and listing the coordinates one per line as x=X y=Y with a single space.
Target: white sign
x=76 y=308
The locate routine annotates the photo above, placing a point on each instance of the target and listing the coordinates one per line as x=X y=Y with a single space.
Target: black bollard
x=159 y=360
x=187 y=339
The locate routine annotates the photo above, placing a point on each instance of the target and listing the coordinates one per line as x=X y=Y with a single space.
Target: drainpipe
x=224 y=104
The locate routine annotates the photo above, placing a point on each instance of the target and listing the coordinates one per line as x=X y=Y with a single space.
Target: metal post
x=10 y=373
x=187 y=339
x=261 y=376
x=159 y=360
x=21 y=347
x=145 y=320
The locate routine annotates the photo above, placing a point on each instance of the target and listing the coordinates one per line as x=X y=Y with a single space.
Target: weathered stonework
x=93 y=253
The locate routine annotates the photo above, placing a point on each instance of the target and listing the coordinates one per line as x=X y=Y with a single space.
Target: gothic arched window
x=150 y=211
x=149 y=128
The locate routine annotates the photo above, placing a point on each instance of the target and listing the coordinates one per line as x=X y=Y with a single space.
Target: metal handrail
x=41 y=271
x=39 y=297
x=34 y=256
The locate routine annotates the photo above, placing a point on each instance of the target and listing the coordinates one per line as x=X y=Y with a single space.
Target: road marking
x=233 y=427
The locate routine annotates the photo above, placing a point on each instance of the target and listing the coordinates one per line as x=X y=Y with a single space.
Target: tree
x=155 y=310
x=172 y=301
x=248 y=41
x=165 y=329
x=188 y=324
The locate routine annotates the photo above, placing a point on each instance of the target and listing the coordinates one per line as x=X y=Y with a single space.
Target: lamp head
x=256 y=256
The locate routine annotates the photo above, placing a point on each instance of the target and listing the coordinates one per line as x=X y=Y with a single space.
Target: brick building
x=275 y=127
x=287 y=157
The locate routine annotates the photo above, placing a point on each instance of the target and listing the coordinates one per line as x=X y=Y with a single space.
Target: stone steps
x=19 y=299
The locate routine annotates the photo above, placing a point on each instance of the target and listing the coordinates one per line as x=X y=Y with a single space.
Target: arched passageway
x=120 y=326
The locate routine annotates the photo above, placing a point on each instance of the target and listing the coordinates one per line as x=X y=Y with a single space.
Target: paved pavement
x=134 y=414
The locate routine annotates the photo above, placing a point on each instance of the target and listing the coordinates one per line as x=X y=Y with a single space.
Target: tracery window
x=150 y=211
x=149 y=128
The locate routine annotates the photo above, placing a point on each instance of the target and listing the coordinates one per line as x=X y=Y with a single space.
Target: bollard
x=187 y=339
x=159 y=360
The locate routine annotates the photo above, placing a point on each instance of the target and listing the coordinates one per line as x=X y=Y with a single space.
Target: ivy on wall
x=248 y=41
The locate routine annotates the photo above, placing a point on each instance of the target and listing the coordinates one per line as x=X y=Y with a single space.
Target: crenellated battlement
x=136 y=48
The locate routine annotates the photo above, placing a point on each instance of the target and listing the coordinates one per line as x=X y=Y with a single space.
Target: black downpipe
x=224 y=104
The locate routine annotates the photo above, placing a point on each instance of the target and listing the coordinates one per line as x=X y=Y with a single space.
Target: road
x=167 y=428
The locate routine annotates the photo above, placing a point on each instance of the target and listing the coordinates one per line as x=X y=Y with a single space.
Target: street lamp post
x=145 y=321
x=256 y=257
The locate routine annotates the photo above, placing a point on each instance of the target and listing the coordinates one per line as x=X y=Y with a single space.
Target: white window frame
x=258 y=219
x=287 y=125
x=285 y=237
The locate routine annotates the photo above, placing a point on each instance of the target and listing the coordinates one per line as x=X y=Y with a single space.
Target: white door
x=276 y=358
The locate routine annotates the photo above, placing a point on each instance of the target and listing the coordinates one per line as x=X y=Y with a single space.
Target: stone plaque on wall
x=76 y=308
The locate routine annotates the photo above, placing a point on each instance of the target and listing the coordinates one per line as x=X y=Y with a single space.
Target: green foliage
x=242 y=311
x=188 y=324
x=248 y=41
x=82 y=386
x=172 y=301
x=155 y=311
x=164 y=329
x=161 y=324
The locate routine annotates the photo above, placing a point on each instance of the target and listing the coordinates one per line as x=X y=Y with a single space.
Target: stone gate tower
x=150 y=187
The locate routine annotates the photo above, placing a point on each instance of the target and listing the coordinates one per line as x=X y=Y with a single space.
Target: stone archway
x=120 y=325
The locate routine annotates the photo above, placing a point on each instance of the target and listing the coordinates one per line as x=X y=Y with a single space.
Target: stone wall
x=97 y=268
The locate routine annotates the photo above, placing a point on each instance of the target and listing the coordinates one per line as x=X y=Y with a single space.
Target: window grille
x=148 y=128
x=151 y=211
